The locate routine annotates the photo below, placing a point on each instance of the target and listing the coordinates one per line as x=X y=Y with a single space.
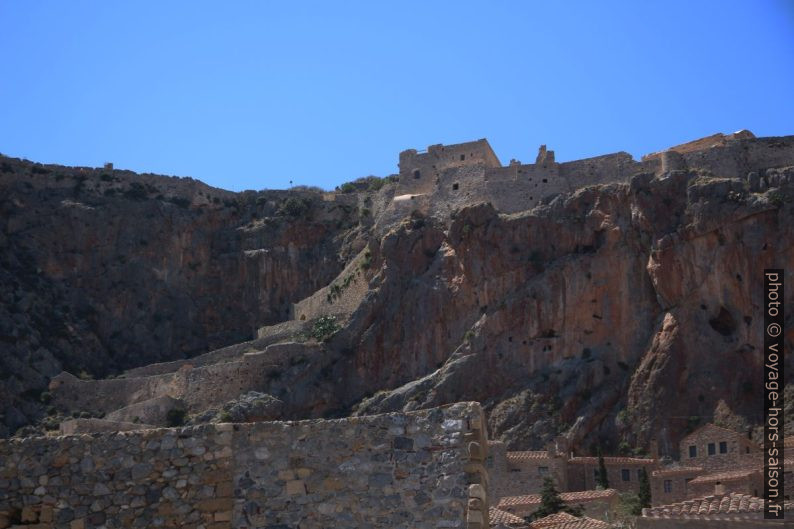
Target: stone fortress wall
x=446 y=177
x=197 y=387
x=419 y=470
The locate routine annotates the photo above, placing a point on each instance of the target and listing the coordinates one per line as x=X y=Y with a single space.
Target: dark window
x=455 y=187
x=462 y=157
x=595 y=473
x=693 y=451
x=639 y=474
x=543 y=470
x=625 y=474
x=712 y=449
x=416 y=173
x=668 y=485
x=545 y=181
x=746 y=449
x=723 y=447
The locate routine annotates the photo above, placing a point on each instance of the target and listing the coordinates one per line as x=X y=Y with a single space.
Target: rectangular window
x=668 y=485
x=723 y=447
x=595 y=473
x=543 y=470
x=693 y=451
x=639 y=474
x=625 y=474
x=712 y=449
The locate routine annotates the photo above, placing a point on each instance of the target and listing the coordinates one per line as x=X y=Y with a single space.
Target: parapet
x=417 y=469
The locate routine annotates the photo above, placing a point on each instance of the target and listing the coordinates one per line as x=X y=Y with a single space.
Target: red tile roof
x=728 y=475
x=497 y=516
x=733 y=503
x=583 y=496
x=613 y=460
x=553 y=519
x=676 y=470
x=527 y=455
x=563 y=520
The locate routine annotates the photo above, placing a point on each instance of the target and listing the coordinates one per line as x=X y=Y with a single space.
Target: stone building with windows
x=715 y=448
x=713 y=460
x=516 y=473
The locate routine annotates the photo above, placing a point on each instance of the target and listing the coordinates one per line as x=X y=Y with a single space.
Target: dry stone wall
x=412 y=470
x=199 y=387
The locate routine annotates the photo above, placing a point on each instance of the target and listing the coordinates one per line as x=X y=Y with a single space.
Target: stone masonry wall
x=198 y=387
x=418 y=470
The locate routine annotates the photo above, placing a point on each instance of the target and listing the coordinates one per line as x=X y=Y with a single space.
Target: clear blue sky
x=251 y=95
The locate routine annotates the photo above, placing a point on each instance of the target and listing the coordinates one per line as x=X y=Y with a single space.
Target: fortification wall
x=737 y=158
x=419 y=172
x=409 y=470
x=610 y=168
x=341 y=297
x=199 y=387
x=266 y=336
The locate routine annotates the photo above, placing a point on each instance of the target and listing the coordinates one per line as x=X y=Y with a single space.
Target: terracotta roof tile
x=676 y=471
x=553 y=519
x=568 y=497
x=613 y=460
x=527 y=455
x=728 y=475
x=567 y=521
x=733 y=503
x=499 y=516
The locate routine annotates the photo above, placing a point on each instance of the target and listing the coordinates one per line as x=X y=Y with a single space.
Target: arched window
x=416 y=173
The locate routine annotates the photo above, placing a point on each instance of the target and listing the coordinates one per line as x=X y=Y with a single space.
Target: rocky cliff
x=613 y=314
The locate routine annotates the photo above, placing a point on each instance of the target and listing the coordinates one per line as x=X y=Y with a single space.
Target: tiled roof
x=568 y=497
x=553 y=519
x=728 y=475
x=613 y=460
x=497 y=516
x=676 y=471
x=527 y=455
x=563 y=520
x=733 y=503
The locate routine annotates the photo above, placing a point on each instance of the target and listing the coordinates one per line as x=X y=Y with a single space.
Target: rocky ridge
x=612 y=314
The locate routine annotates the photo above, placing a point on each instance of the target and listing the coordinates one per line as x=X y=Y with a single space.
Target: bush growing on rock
x=175 y=417
x=324 y=328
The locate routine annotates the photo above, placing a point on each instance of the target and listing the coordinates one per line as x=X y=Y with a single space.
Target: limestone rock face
x=616 y=314
x=611 y=314
x=107 y=270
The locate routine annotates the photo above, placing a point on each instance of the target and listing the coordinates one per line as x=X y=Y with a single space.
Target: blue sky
x=253 y=95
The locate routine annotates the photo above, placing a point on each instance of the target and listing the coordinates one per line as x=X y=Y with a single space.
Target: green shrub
x=324 y=328
x=294 y=207
x=175 y=417
x=366 y=262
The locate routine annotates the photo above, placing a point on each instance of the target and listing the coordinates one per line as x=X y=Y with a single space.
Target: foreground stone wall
x=417 y=470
